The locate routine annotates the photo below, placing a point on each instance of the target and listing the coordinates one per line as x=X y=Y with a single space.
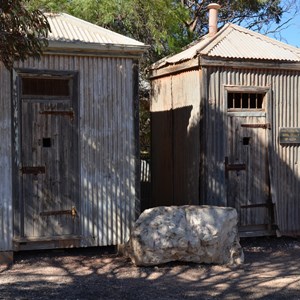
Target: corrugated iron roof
x=189 y=53
x=236 y=42
x=68 y=29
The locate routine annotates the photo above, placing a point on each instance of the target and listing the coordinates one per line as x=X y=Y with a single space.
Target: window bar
x=233 y=100
x=256 y=102
x=241 y=100
x=249 y=101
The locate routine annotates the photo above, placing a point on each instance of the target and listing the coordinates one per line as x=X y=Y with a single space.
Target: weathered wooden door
x=247 y=170
x=49 y=167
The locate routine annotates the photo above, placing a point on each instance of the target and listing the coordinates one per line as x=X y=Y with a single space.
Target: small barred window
x=245 y=101
x=32 y=86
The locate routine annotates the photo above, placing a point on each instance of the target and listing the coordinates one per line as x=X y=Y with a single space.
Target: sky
x=291 y=32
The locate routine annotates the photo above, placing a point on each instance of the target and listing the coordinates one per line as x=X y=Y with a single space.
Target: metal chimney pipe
x=213 y=18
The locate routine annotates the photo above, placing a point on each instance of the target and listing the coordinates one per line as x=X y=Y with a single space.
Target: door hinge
x=233 y=167
x=72 y=212
x=69 y=113
x=33 y=170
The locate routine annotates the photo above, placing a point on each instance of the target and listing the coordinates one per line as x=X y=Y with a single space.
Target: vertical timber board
x=43 y=128
x=49 y=141
x=249 y=186
x=6 y=205
x=175 y=144
x=161 y=142
x=186 y=143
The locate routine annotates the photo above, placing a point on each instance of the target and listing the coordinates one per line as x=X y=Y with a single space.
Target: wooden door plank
x=49 y=140
x=247 y=145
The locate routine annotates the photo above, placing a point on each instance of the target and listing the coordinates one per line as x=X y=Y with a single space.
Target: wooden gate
x=49 y=157
x=247 y=169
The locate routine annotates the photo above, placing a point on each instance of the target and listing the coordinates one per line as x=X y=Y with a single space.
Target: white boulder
x=200 y=234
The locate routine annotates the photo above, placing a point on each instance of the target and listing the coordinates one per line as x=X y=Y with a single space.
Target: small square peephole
x=46 y=142
x=246 y=141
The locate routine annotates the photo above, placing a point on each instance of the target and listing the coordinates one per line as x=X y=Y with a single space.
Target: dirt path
x=271 y=271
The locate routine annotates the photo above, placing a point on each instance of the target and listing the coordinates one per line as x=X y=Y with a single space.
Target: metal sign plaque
x=289 y=135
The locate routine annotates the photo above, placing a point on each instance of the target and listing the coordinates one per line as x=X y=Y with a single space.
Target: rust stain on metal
x=259 y=125
x=69 y=113
x=72 y=212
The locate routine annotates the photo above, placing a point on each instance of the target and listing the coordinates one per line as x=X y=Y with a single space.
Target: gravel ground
x=271 y=271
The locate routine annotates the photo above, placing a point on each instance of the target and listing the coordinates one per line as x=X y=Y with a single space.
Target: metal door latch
x=73 y=212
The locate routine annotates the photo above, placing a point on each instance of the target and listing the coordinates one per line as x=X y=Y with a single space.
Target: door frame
x=266 y=112
x=17 y=75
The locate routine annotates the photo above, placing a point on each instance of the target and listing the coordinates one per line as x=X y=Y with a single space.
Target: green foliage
x=252 y=14
x=145 y=138
x=50 y=5
x=158 y=23
x=165 y=25
x=22 y=32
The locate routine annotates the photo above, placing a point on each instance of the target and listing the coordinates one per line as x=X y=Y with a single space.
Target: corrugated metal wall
x=284 y=163
x=175 y=113
x=6 y=213
x=106 y=144
x=285 y=166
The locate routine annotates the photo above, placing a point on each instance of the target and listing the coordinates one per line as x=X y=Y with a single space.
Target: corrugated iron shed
x=240 y=159
x=91 y=128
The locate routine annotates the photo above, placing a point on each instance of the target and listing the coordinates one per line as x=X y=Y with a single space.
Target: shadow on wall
x=175 y=163
x=189 y=168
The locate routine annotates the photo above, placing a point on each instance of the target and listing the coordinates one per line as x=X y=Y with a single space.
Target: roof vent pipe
x=213 y=18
